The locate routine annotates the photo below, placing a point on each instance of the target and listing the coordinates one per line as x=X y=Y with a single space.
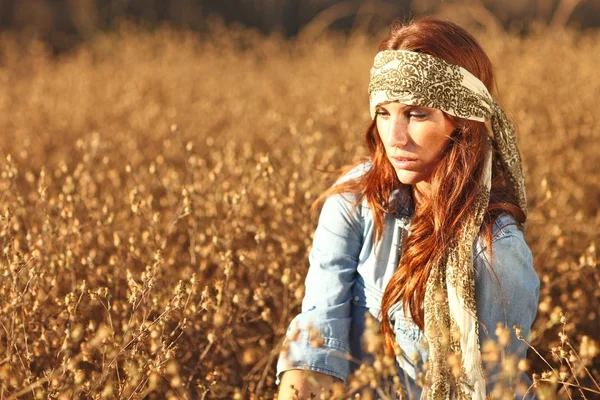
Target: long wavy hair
x=454 y=180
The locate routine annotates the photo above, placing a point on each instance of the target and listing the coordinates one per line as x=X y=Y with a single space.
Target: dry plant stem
x=563 y=12
x=26 y=340
x=574 y=373
x=382 y=395
x=266 y=370
x=566 y=391
x=481 y=14
x=141 y=384
x=41 y=381
x=536 y=352
x=532 y=386
x=123 y=348
x=583 y=366
x=572 y=385
x=564 y=383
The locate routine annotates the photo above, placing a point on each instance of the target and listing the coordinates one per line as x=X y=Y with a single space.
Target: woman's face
x=414 y=138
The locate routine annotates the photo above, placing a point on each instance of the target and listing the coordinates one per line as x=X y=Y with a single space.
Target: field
x=155 y=191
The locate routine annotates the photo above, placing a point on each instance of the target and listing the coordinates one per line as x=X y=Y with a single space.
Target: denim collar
x=401 y=202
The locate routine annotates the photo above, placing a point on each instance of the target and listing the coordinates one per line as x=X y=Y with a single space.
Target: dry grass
x=154 y=196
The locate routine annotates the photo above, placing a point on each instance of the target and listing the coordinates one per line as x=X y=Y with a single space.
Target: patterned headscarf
x=451 y=326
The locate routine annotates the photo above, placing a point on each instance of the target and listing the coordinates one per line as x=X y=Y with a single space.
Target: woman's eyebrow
x=402 y=107
x=382 y=105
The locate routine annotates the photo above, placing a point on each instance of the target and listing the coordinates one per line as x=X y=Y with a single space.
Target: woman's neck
x=420 y=191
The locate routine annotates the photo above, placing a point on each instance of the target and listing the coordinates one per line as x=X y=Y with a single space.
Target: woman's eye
x=417 y=114
x=381 y=112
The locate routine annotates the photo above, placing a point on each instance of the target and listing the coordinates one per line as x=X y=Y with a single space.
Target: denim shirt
x=348 y=275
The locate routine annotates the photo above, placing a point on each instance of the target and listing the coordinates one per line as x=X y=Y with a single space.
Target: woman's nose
x=397 y=135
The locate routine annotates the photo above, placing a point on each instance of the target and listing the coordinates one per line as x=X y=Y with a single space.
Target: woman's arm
x=304 y=383
x=507 y=293
x=318 y=338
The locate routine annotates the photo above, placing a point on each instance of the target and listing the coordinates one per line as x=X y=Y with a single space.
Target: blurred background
x=64 y=23
x=158 y=160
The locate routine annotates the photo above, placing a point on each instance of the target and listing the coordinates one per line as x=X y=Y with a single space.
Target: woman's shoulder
x=508 y=240
x=508 y=267
x=355 y=172
x=400 y=200
x=349 y=197
x=345 y=209
x=507 y=235
x=506 y=225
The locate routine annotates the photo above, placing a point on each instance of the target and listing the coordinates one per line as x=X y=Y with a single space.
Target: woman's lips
x=402 y=162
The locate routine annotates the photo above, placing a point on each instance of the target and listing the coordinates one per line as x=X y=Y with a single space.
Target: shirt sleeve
x=507 y=292
x=326 y=307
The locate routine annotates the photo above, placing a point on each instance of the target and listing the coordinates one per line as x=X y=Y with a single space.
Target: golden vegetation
x=154 y=196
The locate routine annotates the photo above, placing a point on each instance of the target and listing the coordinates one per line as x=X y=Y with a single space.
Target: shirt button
x=356 y=299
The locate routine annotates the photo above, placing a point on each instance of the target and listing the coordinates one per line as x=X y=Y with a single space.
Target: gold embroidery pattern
x=431 y=82
x=504 y=134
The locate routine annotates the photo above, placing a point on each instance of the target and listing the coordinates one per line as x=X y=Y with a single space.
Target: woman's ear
x=488 y=126
x=457 y=132
x=452 y=138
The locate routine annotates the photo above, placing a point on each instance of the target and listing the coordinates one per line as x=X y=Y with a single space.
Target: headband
x=451 y=326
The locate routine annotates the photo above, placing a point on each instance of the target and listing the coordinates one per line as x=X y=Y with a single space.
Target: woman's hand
x=305 y=382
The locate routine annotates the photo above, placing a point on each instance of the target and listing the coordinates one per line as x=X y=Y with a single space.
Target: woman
x=426 y=234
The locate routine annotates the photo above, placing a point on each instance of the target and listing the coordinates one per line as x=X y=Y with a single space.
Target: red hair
x=454 y=180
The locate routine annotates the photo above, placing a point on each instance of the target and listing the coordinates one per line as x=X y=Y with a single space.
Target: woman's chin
x=409 y=177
